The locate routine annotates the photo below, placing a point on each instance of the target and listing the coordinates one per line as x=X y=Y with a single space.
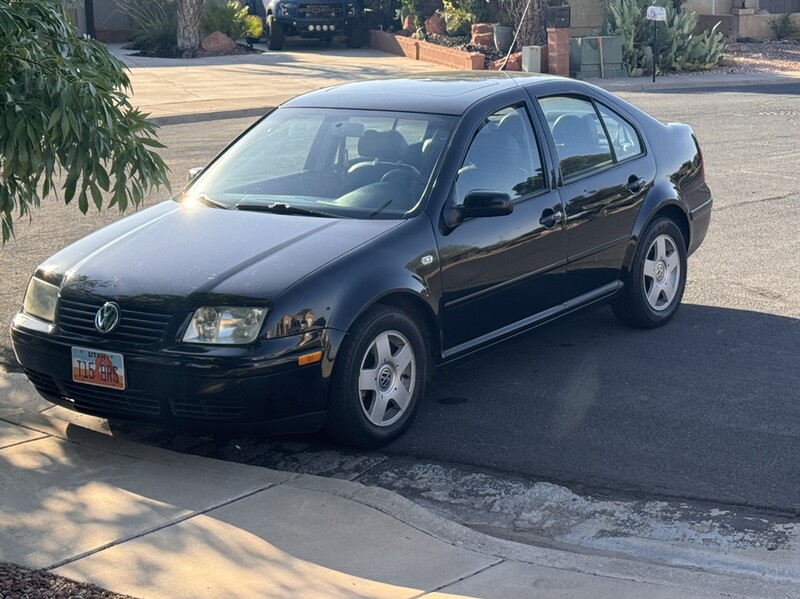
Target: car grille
x=76 y=319
x=320 y=11
x=106 y=401
x=206 y=409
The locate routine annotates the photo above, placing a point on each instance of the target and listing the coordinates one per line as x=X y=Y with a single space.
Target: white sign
x=656 y=13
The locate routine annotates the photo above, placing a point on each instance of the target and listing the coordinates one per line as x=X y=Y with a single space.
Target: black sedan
x=315 y=273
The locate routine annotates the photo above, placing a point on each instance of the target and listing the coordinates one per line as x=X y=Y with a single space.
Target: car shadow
x=704 y=408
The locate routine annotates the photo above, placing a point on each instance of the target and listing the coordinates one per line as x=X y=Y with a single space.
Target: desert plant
x=65 y=112
x=414 y=8
x=155 y=26
x=232 y=19
x=784 y=26
x=679 y=48
x=461 y=14
x=527 y=17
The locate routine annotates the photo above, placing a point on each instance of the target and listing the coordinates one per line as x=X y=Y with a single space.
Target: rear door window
x=579 y=136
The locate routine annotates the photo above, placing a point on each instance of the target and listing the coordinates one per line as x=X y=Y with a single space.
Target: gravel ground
x=21 y=583
x=763 y=57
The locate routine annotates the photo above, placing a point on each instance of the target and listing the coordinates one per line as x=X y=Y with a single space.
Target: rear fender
x=662 y=198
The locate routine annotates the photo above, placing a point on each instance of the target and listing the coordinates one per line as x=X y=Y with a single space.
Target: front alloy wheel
x=379 y=376
x=387 y=378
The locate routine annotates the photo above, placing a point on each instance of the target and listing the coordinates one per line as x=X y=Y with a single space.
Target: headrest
x=571 y=128
x=389 y=146
x=494 y=151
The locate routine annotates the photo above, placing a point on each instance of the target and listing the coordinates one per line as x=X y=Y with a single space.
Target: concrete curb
x=693 y=84
x=682 y=577
x=215 y=115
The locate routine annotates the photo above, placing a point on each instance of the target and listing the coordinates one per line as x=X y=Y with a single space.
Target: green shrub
x=680 y=49
x=784 y=26
x=460 y=15
x=155 y=26
x=231 y=18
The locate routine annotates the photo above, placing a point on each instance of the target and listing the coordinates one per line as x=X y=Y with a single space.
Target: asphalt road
x=704 y=408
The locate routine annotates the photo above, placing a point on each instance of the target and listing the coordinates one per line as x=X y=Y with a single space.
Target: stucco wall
x=758 y=26
x=110 y=22
x=586 y=17
x=710 y=7
x=107 y=15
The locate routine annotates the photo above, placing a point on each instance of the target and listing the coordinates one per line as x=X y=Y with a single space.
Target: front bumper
x=205 y=388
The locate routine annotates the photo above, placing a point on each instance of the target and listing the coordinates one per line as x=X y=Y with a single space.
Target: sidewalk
x=151 y=523
x=178 y=90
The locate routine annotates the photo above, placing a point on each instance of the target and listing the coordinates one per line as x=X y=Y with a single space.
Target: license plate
x=100 y=368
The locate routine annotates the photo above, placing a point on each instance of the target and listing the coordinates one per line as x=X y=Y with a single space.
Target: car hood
x=169 y=252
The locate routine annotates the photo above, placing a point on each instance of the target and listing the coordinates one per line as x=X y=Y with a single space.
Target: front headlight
x=40 y=300
x=229 y=325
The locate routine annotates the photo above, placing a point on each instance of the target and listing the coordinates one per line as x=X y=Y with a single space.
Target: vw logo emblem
x=107 y=317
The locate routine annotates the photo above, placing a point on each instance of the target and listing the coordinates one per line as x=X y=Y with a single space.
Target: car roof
x=441 y=93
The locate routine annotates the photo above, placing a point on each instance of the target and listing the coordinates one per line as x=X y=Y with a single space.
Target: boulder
x=482 y=34
x=482 y=28
x=218 y=43
x=514 y=63
x=436 y=24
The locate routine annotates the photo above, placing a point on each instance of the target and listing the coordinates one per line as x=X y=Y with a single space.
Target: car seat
x=384 y=151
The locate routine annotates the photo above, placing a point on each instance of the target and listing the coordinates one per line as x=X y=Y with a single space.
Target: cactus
x=680 y=50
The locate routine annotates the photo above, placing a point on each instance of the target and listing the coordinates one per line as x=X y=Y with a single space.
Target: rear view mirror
x=345 y=129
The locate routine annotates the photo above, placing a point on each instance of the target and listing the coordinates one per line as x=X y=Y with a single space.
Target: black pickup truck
x=320 y=19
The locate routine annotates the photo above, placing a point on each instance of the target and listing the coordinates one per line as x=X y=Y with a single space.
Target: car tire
x=355 y=36
x=274 y=34
x=656 y=281
x=379 y=377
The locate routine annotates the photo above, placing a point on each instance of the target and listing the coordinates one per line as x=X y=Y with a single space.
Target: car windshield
x=324 y=162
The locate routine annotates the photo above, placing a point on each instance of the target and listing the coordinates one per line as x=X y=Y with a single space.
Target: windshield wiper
x=284 y=208
x=206 y=201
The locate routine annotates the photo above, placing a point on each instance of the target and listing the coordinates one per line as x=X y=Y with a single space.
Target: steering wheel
x=404 y=172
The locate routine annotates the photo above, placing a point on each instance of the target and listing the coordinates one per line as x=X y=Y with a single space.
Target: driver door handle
x=550 y=218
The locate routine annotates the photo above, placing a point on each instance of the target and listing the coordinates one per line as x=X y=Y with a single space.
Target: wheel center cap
x=661 y=272
x=385 y=377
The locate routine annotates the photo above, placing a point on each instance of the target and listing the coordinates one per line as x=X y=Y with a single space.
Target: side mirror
x=193 y=172
x=486 y=203
x=477 y=204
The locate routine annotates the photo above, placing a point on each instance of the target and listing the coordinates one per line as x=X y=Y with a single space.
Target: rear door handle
x=634 y=184
x=550 y=218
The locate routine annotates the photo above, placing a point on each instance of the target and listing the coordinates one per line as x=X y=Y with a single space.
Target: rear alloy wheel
x=274 y=34
x=657 y=278
x=379 y=377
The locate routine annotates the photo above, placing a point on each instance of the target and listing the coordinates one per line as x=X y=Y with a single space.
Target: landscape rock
x=218 y=43
x=514 y=63
x=483 y=39
x=436 y=24
x=482 y=34
x=408 y=24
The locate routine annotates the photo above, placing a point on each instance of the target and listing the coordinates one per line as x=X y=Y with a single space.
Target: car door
x=498 y=271
x=605 y=173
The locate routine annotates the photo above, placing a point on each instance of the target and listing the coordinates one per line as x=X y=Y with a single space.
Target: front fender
x=401 y=263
